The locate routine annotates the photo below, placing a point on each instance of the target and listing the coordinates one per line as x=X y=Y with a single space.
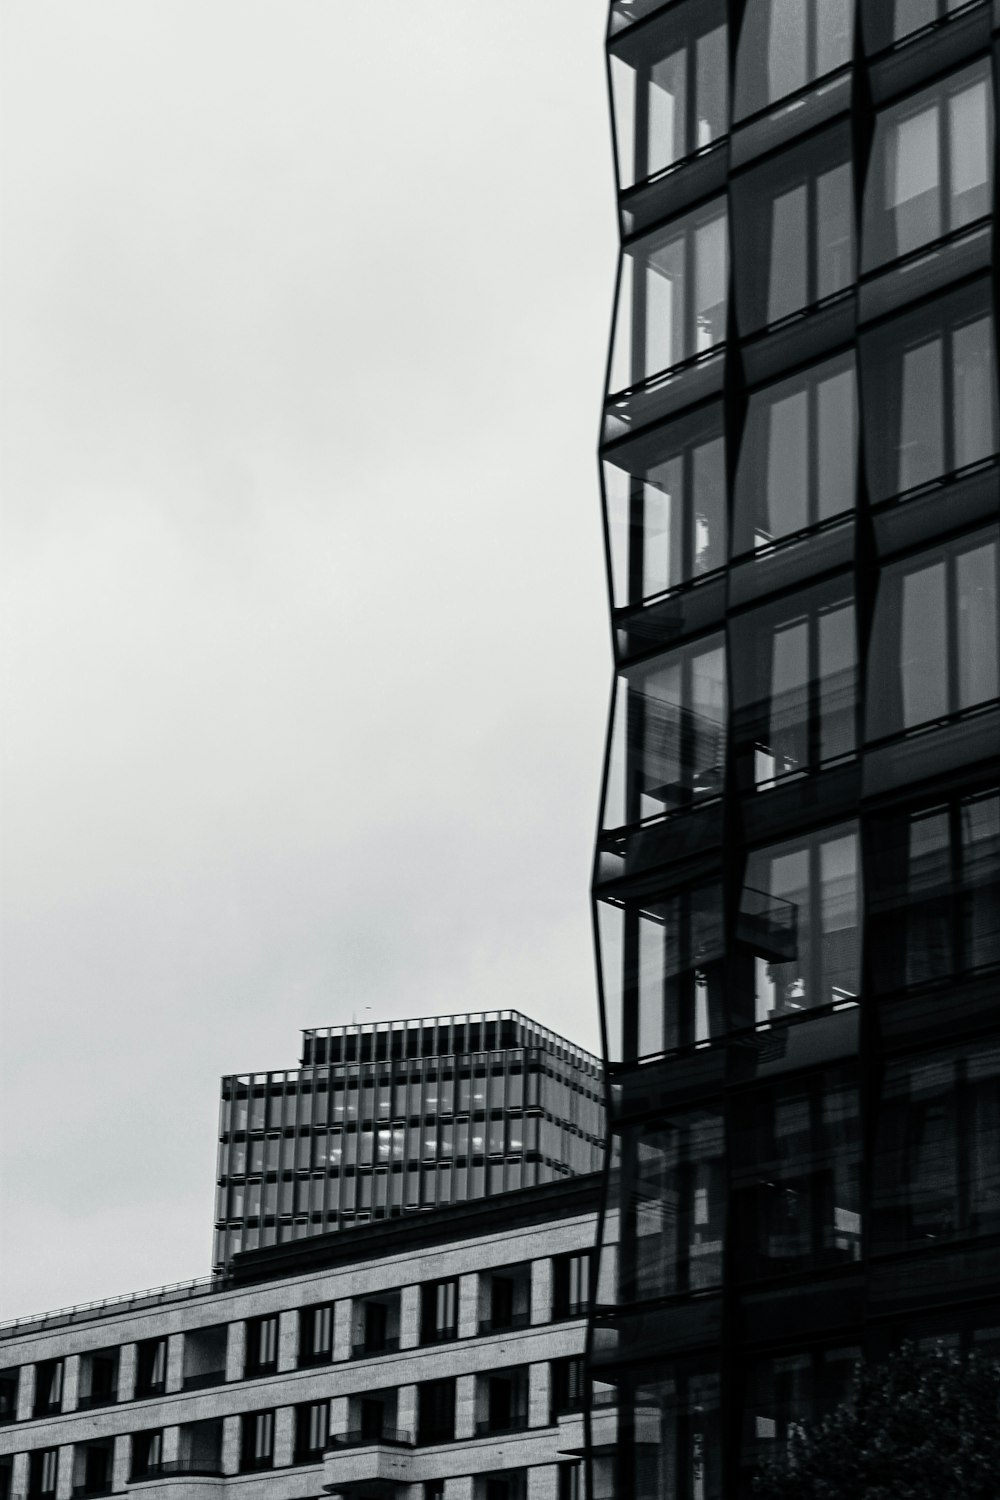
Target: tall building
x=437 y=1358
x=397 y=1117
x=796 y=874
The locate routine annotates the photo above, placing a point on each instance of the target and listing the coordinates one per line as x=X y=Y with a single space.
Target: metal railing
x=203 y=1380
x=505 y=1325
x=357 y=1437
x=366 y=1350
x=491 y=1426
x=97 y=1398
x=81 y=1312
x=203 y=1468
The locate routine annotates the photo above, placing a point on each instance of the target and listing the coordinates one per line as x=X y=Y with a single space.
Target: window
x=571 y=1482
x=147 y=1453
x=794 y=223
x=671 y=297
x=433 y=1489
x=48 y=1387
x=438 y=1311
x=566 y=1387
x=312 y=1431
x=794 y=686
x=934 y=637
x=506 y=1402
x=316 y=1334
x=571 y=1284
x=436 y=1411
x=786 y=44
x=936 y=896
x=799 y=923
x=665 y=496
x=930 y=393
x=797 y=465
x=937 y=1148
x=669 y=86
x=931 y=171
x=888 y=21
x=256 y=1440
x=262 y=1345
x=786 y=1390
x=796 y=1164
x=151 y=1367
x=43 y=1473
x=662 y=971
x=675 y=1439
x=672 y=1207
x=668 y=737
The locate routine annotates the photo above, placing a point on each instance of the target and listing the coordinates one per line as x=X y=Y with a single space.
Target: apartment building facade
x=430 y=1358
x=796 y=875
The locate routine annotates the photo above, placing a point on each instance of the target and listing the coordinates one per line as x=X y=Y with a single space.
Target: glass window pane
x=975 y=392
x=836 y=443
x=977 y=625
x=921 y=422
x=787 y=491
x=914 y=179
x=708 y=538
x=666 y=112
x=787 y=284
x=713 y=87
x=834 y=232
x=711 y=273
x=970 y=129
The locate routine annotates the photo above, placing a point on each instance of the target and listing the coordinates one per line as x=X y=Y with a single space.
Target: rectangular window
x=793 y=219
x=312 y=1431
x=316 y=1334
x=796 y=1166
x=571 y=1284
x=262 y=1345
x=931 y=171
x=151 y=1367
x=888 y=21
x=257 y=1441
x=439 y=1311
x=675 y=1431
x=43 y=1473
x=671 y=297
x=786 y=44
x=48 y=1387
x=669 y=87
x=794 y=683
x=672 y=1207
x=436 y=1411
x=668 y=736
x=147 y=1454
x=799 y=923
x=934 y=637
x=566 y=1387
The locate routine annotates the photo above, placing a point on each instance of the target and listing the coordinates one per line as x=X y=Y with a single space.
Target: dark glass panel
x=669 y=84
x=672 y=1433
x=785 y=1391
x=786 y=44
x=796 y=1161
x=793 y=221
x=799 y=919
x=798 y=457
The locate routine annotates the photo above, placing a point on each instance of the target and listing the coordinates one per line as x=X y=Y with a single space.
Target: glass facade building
x=796 y=893
x=389 y=1118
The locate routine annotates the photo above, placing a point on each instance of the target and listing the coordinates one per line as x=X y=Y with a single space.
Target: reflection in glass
x=668 y=738
x=798 y=457
x=676 y=1434
x=672 y=1207
x=669 y=88
x=666 y=507
x=786 y=44
x=799 y=919
x=786 y=1391
x=888 y=21
x=671 y=298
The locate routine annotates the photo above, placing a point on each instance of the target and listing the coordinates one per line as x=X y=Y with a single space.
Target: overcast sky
x=305 y=661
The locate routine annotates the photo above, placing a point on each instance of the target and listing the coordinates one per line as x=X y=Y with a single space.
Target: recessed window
x=673 y=1200
x=571 y=1284
x=43 y=1473
x=787 y=44
x=930 y=393
x=566 y=1386
x=932 y=166
x=257 y=1441
x=670 y=89
x=312 y=1431
x=439 y=1311
x=798 y=459
x=934 y=637
x=668 y=736
x=665 y=495
x=799 y=923
x=436 y=1411
x=262 y=1345
x=671 y=298
x=794 y=685
x=794 y=222
x=677 y=1440
x=48 y=1387
x=147 y=1454
x=316 y=1334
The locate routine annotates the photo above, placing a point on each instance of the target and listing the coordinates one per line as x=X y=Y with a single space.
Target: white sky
x=305 y=660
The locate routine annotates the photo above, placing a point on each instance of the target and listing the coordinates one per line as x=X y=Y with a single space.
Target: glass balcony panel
x=797 y=465
x=668 y=739
x=787 y=44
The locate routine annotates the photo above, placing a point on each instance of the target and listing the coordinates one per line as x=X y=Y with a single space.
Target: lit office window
x=932 y=166
x=888 y=21
x=937 y=1155
x=665 y=497
x=799 y=919
x=672 y=1207
x=670 y=89
x=676 y=1433
x=796 y=1175
x=936 y=890
x=668 y=739
x=797 y=465
x=793 y=219
x=930 y=393
x=671 y=297
x=934 y=638
x=787 y=44
x=794 y=685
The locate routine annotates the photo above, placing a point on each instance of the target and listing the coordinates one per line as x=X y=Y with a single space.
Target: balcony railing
x=204 y=1379
x=439 y=1335
x=358 y=1437
x=196 y=1467
x=367 y=1350
x=309 y=1361
x=505 y=1325
x=150 y=1388
x=86 y=1491
x=493 y=1426
x=97 y=1398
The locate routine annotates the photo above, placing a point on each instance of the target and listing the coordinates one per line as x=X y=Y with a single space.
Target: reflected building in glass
x=796 y=876
x=391 y=1118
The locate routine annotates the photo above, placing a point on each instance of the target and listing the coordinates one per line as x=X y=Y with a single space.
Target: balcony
x=97 y=1398
x=501 y=1425
x=194 y=1468
x=505 y=1324
x=203 y=1380
x=369 y=1348
x=368 y=1467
